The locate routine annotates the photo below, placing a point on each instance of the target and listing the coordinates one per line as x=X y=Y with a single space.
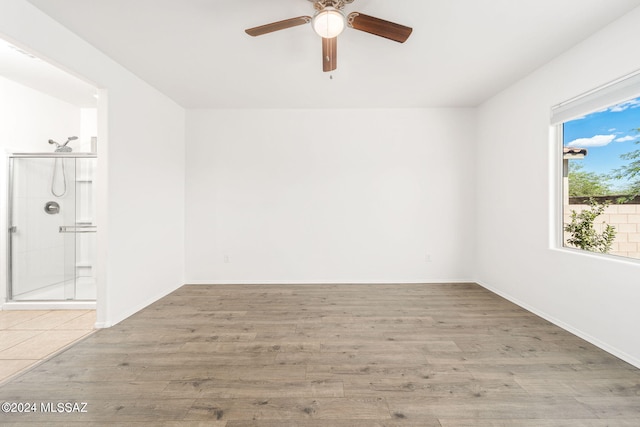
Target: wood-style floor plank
x=436 y=355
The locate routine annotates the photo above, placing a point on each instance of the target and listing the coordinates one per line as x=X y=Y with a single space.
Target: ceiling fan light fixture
x=328 y=23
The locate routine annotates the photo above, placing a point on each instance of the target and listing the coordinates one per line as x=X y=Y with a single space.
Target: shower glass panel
x=51 y=227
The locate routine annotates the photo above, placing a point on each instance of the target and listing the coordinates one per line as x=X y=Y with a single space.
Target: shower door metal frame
x=10 y=227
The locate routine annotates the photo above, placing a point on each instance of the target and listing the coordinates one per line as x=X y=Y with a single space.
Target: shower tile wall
x=43 y=256
x=37 y=246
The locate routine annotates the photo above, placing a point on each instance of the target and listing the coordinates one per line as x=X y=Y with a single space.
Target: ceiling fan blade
x=329 y=54
x=277 y=26
x=379 y=27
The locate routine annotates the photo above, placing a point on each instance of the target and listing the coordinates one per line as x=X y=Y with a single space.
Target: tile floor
x=28 y=337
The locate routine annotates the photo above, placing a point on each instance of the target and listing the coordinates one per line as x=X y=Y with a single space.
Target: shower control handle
x=52 y=208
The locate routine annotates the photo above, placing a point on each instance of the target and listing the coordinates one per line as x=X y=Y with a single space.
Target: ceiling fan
x=329 y=21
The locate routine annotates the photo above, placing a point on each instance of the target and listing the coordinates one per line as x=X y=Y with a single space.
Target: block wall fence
x=624 y=217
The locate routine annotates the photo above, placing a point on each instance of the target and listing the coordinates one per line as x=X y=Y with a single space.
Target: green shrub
x=583 y=233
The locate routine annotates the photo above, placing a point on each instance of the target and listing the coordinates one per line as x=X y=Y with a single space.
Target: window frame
x=615 y=92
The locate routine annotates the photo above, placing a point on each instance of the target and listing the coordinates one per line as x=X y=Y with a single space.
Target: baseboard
x=325 y=282
x=122 y=316
x=567 y=327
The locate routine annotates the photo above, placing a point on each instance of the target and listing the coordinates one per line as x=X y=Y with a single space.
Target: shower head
x=63 y=147
x=71 y=138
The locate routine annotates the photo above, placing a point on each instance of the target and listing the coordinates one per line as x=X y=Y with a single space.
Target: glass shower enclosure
x=51 y=240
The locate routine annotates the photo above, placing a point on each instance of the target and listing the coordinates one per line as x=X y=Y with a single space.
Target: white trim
x=597 y=255
x=102 y=325
x=49 y=305
x=619 y=90
x=567 y=327
x=326 y=282
x=556 y=188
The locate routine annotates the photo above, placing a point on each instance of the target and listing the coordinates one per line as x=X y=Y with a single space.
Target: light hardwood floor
x=332 y=355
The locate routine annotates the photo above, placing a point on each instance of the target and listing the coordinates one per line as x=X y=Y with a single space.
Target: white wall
x=309 y=196
x=28 y=120
x=140 y=214
x=592 y=296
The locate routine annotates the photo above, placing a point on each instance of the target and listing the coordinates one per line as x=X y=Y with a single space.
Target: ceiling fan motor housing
x=336 y=4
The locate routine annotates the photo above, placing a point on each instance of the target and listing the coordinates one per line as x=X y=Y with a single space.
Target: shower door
x=51 y=228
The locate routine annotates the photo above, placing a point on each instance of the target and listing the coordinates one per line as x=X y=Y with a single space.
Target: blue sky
x=606 y=134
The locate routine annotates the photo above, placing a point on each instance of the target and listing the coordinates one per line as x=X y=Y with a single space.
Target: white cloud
x=634 y=103
x=626 y=138
x=594 y=141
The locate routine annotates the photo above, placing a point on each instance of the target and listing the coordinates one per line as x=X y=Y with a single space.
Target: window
x=600 y=133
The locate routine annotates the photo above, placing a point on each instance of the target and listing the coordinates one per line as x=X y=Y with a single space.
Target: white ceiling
x=461 y=52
